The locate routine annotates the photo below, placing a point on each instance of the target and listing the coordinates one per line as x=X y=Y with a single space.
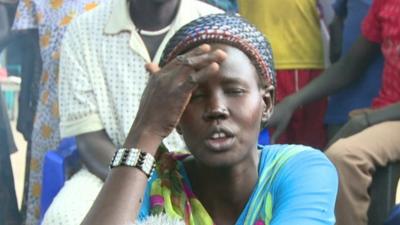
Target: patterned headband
x=225 y=29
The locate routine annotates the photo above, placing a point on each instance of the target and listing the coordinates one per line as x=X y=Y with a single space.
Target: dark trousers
x=9 y=214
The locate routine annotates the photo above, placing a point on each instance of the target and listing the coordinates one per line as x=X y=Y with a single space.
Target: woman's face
x=221 y=123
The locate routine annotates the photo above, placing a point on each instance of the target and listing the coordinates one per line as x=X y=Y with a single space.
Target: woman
x=216 y=95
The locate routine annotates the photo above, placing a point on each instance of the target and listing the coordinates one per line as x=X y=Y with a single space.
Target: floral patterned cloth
x=51 y=18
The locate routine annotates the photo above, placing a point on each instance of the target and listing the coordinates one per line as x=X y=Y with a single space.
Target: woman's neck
x=153 y=14
x=224 y=192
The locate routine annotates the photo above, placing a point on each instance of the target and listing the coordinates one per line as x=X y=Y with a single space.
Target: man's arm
x=391 y=112
x=336 y=29
x=79 y=110
x=336 y=38
x=96 y=151
x=339 y=75
x=366 y=118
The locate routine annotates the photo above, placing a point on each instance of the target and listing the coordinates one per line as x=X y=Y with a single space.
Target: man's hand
x=363 y=118
x=356 y=124
x=280 y=118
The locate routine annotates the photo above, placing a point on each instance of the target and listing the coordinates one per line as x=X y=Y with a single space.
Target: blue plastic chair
x=59 y=165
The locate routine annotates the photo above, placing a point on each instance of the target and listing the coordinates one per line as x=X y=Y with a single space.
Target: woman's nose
x=216 y=109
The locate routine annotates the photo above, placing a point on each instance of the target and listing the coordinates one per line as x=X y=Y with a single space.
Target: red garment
x=382 y=25
x=307 y=124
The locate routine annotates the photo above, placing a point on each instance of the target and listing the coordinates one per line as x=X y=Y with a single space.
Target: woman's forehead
x=237 y=63
x=236 y=68
x=236 y=59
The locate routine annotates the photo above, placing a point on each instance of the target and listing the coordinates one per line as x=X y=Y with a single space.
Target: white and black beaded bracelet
x=133 y=157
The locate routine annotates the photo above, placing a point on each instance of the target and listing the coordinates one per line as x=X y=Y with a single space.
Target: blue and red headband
x=225 y=29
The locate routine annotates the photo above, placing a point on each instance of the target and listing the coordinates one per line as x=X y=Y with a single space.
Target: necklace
x=155 y=32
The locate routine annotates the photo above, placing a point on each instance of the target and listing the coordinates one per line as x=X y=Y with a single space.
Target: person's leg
x=9 y=213
x=356 y=159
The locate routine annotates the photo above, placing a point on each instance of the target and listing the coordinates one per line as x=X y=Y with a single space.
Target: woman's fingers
x=203 y=74
x=191 y=68
x=181 y=59
x=199 y=61
x=204 y=48
x=197 y=77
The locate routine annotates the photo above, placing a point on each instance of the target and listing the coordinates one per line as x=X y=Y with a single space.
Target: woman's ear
x=269 y=102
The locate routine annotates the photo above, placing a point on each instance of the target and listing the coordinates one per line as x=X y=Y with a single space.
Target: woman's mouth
x=219 y=141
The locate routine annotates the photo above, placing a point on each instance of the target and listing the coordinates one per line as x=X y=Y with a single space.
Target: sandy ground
x=18 y=162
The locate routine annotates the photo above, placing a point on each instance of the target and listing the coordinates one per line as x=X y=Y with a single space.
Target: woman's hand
x=170 y=88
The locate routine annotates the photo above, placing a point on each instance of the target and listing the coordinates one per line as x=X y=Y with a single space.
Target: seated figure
x=216 y=80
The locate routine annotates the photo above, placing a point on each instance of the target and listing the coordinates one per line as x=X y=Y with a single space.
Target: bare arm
x=346 y=70
x=388 y=113
x=121 y=196
x=96 y=151
x=339 y=75
x=336 y=35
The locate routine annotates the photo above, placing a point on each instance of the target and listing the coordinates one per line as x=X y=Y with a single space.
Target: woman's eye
x=235 y=91
x=197 y=96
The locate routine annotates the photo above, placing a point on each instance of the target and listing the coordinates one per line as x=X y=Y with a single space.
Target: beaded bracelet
x=133 y=157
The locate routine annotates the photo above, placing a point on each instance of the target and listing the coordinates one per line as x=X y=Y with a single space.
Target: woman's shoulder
x=294 y=158
x=303 y=181
x=279 y=151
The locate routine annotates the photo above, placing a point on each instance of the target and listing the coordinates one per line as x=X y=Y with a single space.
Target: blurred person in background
x=294 y=29
x=344 y=31
x=50 y=19
x=9 y=212
x=23 y=60
x=6 y=13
